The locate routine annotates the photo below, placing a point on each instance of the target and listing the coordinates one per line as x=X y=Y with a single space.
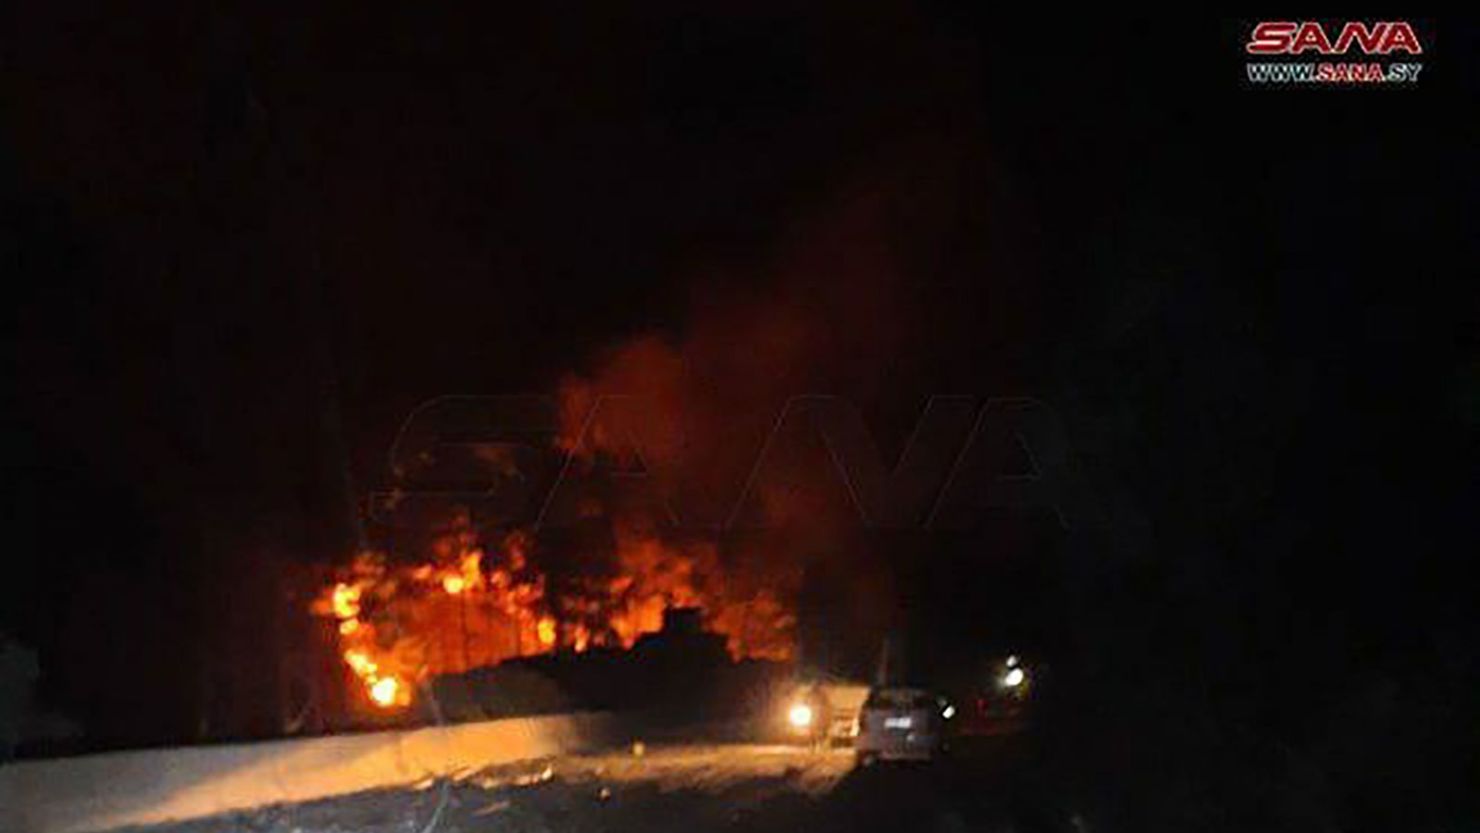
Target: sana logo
x=1285 y=37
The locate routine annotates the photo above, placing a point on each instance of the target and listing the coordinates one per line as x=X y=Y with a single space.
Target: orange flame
x=466 y=608
x=546 y=631
x=346 y=601
x=386 y=691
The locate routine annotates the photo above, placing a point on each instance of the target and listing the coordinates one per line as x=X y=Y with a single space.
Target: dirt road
x=687 y=789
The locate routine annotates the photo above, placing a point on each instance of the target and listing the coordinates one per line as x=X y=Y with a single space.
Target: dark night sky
x=243 y=246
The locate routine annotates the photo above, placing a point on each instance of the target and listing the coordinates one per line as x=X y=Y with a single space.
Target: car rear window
x=887 y=699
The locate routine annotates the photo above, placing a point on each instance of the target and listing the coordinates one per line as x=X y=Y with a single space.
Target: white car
x=899 y=724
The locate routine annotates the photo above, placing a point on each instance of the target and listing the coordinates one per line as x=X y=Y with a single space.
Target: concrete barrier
x=101 y=792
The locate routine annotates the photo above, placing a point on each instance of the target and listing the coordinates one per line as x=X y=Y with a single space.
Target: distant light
x=1013 y=678
x=948 y=712
x=800 y=715
x=453 y=585
x=1012 y=661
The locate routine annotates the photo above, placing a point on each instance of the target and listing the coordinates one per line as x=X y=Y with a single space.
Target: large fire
x=467 y=605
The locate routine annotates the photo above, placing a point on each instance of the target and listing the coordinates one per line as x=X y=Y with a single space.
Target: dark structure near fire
x=680 y=673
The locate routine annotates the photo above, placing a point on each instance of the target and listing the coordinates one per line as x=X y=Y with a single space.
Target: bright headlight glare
x=800 y=715
x=1013 y=678
x=948 y=712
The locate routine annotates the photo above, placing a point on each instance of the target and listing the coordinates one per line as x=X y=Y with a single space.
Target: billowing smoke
x=692 y=421
x=682 y=486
